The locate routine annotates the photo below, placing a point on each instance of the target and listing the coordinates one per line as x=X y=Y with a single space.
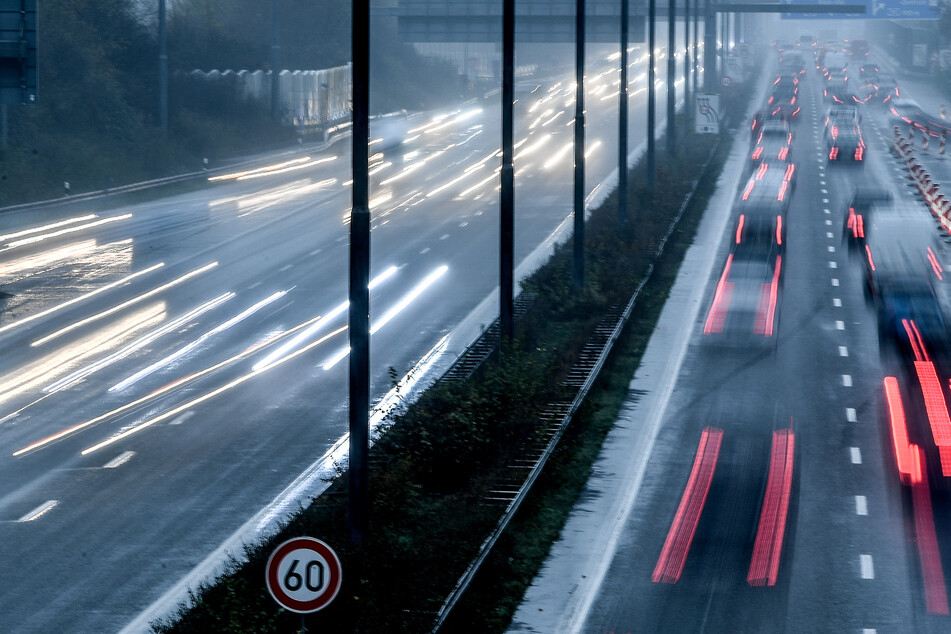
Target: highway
x=174 y=371
x=770 y=494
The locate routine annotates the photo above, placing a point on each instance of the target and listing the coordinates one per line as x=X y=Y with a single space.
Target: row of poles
x=360 y=216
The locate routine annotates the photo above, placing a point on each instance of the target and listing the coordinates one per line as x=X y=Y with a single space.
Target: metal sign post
x=18 y=36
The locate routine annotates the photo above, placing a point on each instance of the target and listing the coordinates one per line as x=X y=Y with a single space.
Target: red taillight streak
x=935 y=264
x=916 y=334
x=758 y=152
x=858 y=153
x=739 y=229
x=779 y=230
x=934 y=404
x=833 y=153
x=782 y=191
x=673 y=555
x=749 y=190
x=721 y=301
x=868 y=253
x=916 y=345
x=790 y=170
x=768 y=546
x=773 y=297
x=896 y=413
x=762 y=171
x=783 y=153
x=929 y=555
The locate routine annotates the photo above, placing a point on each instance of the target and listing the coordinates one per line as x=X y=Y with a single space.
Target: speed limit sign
x=303 y=575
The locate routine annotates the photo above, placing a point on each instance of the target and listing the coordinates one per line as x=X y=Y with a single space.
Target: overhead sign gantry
x=18 y=26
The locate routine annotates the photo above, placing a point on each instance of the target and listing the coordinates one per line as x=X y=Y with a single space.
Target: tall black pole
x=710 y=76
x=507 y=197
x=163 y=70
x=275 y=62
x=686 y=61
x=693 y=48
x=360 y=277
x=651 y=44
x=579 y=147
x=671 y=77
x=622 y=119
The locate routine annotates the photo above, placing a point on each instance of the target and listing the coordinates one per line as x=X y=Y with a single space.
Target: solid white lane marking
x=839 y=324
x=861 y=505
x=850 y=415
x=835 y=281
x=119 y=460
x=847 y=380
x=868 y=569
x=39 y=511
x=856 y=455
x=837 y=302
x=424 y=251
x=843 y=351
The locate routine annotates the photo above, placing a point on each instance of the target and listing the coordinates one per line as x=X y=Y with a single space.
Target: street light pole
x=622 y=119
x=651 y=43
x=671 y=75
x=359 y=316
x=275 y=63
x=163 y=70
x=507 y=194
x=578 y=276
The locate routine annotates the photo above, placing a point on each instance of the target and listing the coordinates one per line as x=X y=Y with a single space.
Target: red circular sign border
x=274 y=586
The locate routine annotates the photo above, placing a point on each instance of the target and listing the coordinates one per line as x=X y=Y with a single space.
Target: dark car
x=784 y=101
x=773 y=144
x=860 y=210
x=838 y=91
x=845 y=143
x=745 y=305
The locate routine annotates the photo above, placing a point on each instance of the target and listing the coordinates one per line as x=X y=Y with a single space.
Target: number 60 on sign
x=303 y=575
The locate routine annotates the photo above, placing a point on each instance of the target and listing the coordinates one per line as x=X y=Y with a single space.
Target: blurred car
x=868 y=70
x=858 y=48
x=886 y=89
x=767 y=192
x=838 y=91
x=860 y=210
x=764 y=115
x=901 y=266
x=845 y=143
x=841 y=114
x=792 y=61
x=745 y=305
x=784 y=100
x=772 y=144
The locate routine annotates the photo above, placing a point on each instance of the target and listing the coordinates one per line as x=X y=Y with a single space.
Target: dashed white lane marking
x=869 y=630
x=868 y=569
x=843 y=351
x=822 y=182
x=463 y=224
x=861 y=505
x=835 y=281
x=341 y=239
x=833 y=265
x=446 y=235
x=850 y=415
x=829 y=234
x=178 y=420
x=426 y=250
x=856 y=455
x=831 y=249
x=826 y=211
x=837 y=302
x=828 y=223
x=315 y=252
x=839 y=324
x=119 y=460
x=39 y=511
x=825 y=191
x=847 y=380
x=285 y=268
x=254 y=286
